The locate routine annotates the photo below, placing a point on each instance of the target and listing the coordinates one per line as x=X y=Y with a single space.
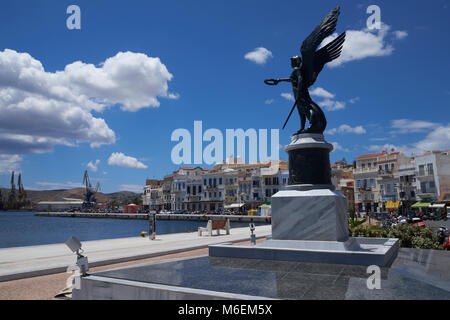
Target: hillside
x=78 y=193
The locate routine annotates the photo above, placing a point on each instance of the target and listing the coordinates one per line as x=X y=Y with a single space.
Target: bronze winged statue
x=307 y=69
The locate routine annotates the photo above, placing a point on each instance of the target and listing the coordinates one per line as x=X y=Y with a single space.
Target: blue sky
x=390 y=90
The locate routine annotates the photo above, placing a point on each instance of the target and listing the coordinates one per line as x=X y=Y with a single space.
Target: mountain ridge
x=36 y=196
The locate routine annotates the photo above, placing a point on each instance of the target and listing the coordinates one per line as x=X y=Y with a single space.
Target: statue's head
x=296 y=62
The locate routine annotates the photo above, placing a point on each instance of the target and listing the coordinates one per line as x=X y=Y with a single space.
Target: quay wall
x=160 y=216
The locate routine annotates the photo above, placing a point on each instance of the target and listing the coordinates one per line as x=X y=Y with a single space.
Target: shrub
x=409 y=236
x=370 y=231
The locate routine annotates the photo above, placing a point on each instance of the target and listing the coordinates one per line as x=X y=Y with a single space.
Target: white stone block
x=319 y=214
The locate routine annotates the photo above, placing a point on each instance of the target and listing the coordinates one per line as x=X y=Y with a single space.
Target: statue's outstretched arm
x=274 y=82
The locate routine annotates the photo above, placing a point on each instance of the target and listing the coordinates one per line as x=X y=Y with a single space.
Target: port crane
x=89 y=196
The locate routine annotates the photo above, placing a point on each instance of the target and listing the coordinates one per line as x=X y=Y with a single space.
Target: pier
x=159 y=216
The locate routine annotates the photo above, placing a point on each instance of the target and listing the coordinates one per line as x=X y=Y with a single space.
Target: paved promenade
x=23 y=262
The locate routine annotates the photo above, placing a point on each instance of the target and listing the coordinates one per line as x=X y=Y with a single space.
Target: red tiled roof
x=191 y=168
x=372 y=155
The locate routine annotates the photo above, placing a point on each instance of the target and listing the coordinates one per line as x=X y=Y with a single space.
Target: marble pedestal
x=318 y=214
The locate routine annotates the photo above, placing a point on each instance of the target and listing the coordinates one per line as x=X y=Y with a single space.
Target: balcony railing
x=423 y=174
x=385 y=172
x=363 y=170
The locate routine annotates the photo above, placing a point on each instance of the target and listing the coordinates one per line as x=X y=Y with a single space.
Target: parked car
x=418 y=222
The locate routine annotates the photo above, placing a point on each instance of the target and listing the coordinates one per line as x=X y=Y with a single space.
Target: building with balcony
x=152 y=198
x=406 y=182
x=342 y=179
x=366 y=190
x=213 y=196
x=432 y=171
x=376 y=180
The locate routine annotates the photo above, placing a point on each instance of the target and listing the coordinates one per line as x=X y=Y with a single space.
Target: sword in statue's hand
x=274 y=82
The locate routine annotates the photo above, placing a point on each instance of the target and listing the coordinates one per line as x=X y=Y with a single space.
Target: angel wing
x=313 y=61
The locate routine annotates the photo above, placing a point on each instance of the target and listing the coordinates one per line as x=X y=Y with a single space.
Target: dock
x=159 y=216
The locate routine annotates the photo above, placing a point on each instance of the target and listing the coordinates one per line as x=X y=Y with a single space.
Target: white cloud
x=93 y=166
x=410 y=126
x=40 y=109
x=322 y=93
x=269 y=101
x=132 y=187
x=437 y=139
x=399 y=34
x=345 y=128
x=259 y=55
x=388 y=147
x=332 y=105
x=121 y=160
x=361 y=44
x=328 y=104
x=379 y=139
x=288 y=96
x=354 y=100
x=173 y=96
x=133 y=80
x=9 y=162
x=338 y=147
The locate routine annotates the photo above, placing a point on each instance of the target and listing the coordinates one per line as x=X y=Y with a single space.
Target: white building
x=433 y=176
x=59 y=205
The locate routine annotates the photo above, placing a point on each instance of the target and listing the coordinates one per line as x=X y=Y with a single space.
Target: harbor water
x=18 y=229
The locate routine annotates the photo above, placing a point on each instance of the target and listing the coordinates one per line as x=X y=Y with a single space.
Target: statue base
x=309 y=161
x=316 y=214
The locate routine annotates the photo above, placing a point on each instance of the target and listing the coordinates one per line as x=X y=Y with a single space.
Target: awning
x=392 y=204
x=234 y=205
x=421 y=205
x=438 y=205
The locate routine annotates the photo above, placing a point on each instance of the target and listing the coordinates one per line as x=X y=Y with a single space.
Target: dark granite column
x=309 y=162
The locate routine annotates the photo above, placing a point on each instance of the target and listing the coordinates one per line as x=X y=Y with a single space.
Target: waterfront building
x=388 y=181
x=187 y=188
x=194 y=184
x=63 y=205
x=342 y=179
x=376 y=180
x=230 y=185
x=373 y=183
x=433 y=176
x=213 y=196
x=153 y=192
x=274 y=179
x=365 y=174
x=406 y=183
x=167 y=192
